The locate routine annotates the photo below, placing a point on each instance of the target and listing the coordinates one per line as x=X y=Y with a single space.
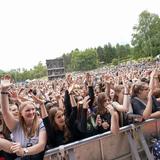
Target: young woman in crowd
x=109 y=119
x=143 y=103
x=121 y=103
x=14 y=110
x=85 y=124
x=58 y=127
x=28 y=133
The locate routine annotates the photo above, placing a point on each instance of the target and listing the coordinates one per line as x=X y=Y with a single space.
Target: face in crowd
x=141 y=90
x=14 y=110
x=27 y=111
x=57 y=117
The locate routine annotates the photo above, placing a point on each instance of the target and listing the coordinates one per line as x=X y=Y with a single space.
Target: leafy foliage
x=146 y=36
x=145 y=43
x=21 y=75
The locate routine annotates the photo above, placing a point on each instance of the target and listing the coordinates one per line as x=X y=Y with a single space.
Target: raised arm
x=67 y=101
x=148 y=110
x=42 y=106
x=7 y=115
x=154 y=80
x=114 y=119
x=82 y=125
x=90 y=92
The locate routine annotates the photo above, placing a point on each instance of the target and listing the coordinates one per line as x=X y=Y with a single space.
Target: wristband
x=4 y=93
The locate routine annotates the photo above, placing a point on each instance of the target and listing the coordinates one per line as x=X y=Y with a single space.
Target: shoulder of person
x=41 y=124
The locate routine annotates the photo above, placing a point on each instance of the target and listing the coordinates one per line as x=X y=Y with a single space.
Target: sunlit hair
x=101 y=103
x=35 y=124
x=117 y=90
x=137 y=87
x=52 y=114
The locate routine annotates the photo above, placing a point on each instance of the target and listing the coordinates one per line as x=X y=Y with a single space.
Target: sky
x=36 y=30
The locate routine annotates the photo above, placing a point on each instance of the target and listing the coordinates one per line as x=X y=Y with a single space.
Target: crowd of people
x=41 y=115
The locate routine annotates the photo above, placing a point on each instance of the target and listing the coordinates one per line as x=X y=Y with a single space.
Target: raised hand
x=98 y=120
x=86 y=100
x=36 y=99
x=70 y=88
x=105 y=125
x=5 y=82
x=14 y=95
x=110 y=108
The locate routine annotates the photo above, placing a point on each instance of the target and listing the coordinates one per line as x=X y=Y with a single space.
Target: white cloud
x=36 y=30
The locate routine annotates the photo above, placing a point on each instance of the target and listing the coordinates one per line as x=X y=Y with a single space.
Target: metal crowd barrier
x=133 y=142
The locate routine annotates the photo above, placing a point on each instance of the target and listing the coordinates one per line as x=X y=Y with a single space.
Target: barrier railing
x=131 y=143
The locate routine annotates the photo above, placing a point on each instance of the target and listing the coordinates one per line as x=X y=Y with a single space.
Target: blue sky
x=36 y=30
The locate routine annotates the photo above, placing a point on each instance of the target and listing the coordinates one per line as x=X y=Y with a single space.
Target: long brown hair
x=35 y=123
x=101 y=103
x=52 y=114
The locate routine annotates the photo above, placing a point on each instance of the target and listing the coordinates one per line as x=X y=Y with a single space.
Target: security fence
x=133 y=142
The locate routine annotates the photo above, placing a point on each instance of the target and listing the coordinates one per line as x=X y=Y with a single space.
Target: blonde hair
x=35 y=123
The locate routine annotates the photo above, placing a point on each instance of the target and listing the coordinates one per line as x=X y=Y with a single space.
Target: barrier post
x=61 y=152
x=144 y=144
x=101 y=149
x=71 y=154
x=133 y=146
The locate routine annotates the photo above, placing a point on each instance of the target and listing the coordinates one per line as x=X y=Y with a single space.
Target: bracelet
x=4 y=93
x=126 y=94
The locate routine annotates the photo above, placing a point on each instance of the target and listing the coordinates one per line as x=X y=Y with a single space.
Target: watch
x=25 y=152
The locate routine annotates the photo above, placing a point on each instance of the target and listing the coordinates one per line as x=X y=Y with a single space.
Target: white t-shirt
x=17 y=135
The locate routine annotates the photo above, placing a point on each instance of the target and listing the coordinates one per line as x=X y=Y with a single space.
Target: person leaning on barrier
x=142 y=100
x=27 y=133
x=108 y=117
x=121 y=102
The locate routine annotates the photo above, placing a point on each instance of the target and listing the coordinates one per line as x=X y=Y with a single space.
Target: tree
x=146 y=36
x=84 y=60
x=100 y=53
x=40 y=70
